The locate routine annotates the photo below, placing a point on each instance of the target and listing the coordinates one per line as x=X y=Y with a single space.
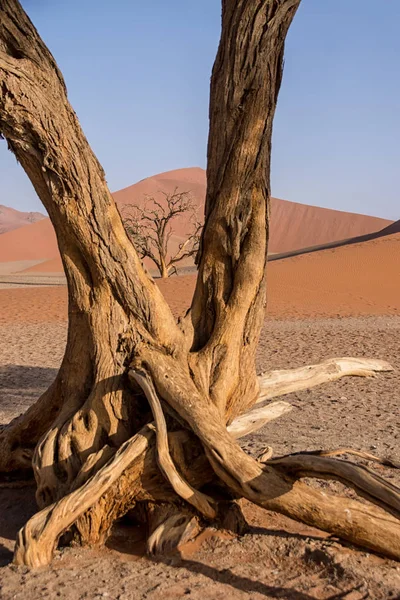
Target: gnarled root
x=38 y=539
x=362 y=480
x=285 y=381
x=202 y=502
x=169 y=528
x=273 y=486
x=276 y=490
x=386 y=461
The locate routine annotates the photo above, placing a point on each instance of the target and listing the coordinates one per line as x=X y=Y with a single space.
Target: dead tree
x=145 y=412
x=150 y=227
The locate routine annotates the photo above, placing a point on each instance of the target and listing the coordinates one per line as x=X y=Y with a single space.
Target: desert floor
x=278 y=558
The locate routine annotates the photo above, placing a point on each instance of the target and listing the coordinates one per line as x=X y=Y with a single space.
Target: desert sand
x=277 y=558
x=353 y=280
x=334 y=302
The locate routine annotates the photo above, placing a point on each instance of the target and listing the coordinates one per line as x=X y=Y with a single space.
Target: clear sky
x=138 y=77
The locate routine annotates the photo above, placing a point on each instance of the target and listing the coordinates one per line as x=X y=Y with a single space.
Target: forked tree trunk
x=127 y=362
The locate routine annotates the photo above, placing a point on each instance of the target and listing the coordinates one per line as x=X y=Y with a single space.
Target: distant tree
x=150 y=227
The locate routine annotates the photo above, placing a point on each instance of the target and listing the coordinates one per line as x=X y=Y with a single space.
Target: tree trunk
x=164 y=272
x=113 y=306
x=127 y=362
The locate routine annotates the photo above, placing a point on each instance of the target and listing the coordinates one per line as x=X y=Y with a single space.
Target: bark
x=96 y=456
x=113 y=306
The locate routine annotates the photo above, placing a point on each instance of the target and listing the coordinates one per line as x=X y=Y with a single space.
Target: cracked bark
x=94 y=453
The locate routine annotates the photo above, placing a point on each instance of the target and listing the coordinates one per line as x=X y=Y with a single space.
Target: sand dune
x=11 y=219
x=293 y=226
x=358 y=279
x=54 y=265
x=32 y=242
x=392 y=228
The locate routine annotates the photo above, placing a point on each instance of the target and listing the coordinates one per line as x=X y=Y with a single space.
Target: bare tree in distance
x=151 y=228
x=145 y=412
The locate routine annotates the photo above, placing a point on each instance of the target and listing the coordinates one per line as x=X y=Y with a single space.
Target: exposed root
x=257 y=417
x=265 y=455
x=38 y=539
x=169 y=529
x=202 y=502
x=285 y=381
x=386 y=462
x=362 y=480
x=360 y=524
x=273 y=487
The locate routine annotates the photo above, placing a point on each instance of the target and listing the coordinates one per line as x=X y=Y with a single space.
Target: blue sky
x=138 y=77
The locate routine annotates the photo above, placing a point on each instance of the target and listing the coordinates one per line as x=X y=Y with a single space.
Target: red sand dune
x=293 y=225
x=11 y=219
x=358 y=279
x=393 y=228
x=54 y=265
x=32 y=242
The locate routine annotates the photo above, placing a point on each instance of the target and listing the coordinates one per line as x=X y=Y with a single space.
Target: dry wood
x=169 y=528
x=202 y=502
x=285 y=381
x=94 y=456
x=257 y=417
x=385 y=461
x=274 y=486
x=151 y=227
x=38 y=539
x=361 y=479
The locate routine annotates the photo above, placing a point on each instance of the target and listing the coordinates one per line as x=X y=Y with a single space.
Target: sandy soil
x=359 y=279
x=277 y=558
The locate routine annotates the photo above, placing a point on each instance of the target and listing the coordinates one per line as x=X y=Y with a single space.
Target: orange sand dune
x=358 y=279
x=355 y=279
x=393 y=228
x=32 y=242
x=293 y=225
x=11 y=219
x=54 y=265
